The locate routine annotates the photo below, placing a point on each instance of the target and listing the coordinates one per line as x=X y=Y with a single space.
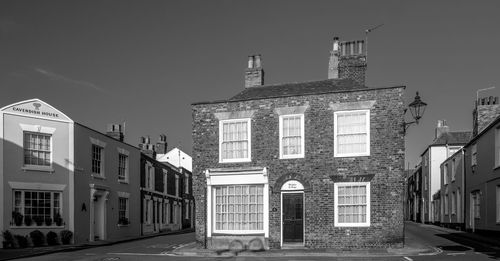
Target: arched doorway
x=292 y=213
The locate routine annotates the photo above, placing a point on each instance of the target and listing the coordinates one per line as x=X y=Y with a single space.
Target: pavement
x=9 y=254
x=413 y=246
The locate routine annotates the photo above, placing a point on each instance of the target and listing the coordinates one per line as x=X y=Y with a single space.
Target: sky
x=143 y=63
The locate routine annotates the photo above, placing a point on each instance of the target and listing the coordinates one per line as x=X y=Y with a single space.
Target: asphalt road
x=448 y=246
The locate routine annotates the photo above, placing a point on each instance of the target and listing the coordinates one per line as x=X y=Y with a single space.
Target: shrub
x=8 y=239
x=37 y=237
x=28 y=221
x=52 y=238
x=66 y=236
x=22 y=241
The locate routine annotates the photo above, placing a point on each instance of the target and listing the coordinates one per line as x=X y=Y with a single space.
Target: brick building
x=167 y=203
x=314 y=164
x=414 y=195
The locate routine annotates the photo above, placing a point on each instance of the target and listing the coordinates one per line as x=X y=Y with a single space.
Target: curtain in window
x=36 y=149
x=352 y=204
x=291 y=140
x=239 y=207
x=235 y=140
x=351 y=132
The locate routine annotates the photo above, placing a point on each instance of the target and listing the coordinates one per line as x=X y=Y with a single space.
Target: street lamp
x=417 y=109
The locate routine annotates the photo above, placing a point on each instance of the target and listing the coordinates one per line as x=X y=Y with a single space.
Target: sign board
x=35 y=108
x=292 y=185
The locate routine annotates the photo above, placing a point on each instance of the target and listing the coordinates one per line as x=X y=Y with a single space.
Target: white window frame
x=368 y=145
x=249 y=135
x=302 y=137
x=165 y=182
x=22 y=205
x=51 y=151
x=474 y=155
x=102 y=145
x=368 y=204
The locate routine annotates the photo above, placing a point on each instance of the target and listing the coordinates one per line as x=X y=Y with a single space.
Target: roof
x=298 y=89
x=453 y=137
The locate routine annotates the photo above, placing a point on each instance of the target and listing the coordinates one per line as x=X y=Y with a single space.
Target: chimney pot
x=115 y=131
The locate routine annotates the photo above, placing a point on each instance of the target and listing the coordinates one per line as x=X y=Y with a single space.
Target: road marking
x=136 y=254
x=455 y=254
x=407 y=258
x=437 y=251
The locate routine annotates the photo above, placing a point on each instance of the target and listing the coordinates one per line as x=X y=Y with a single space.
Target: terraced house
x=310 y=165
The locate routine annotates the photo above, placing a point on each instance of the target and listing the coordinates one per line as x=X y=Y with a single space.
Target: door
x=293 y=217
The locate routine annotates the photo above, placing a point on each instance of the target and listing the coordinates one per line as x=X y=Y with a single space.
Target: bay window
x=37 y=207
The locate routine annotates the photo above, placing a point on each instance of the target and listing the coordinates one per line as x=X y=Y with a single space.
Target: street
x=447 y=245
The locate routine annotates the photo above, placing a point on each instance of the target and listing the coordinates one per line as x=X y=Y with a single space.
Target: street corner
x=414 y=251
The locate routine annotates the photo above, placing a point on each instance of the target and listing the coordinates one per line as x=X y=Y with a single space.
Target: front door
x=293 y=217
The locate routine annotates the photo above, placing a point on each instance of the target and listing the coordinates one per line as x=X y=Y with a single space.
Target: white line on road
x=136 y=254
x=407 y=258
x=437 y=251
x=456 y=254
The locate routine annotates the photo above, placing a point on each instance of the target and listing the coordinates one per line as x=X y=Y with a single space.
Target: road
x=449 y=246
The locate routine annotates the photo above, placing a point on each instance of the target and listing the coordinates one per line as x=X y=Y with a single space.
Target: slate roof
x=297 y=89
x=453 y=137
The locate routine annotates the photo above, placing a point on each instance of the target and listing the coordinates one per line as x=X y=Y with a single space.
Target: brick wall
x=386 y=164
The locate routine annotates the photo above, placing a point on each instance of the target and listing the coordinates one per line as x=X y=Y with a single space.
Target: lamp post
x=417 y=109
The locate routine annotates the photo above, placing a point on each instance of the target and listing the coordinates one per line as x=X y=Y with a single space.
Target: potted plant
x=8 y=239
x=48 y=221
x=66 y=236
x=18 y=218
x=123 y=221
x=58 y=220
x=28 y=221
x=38 y=220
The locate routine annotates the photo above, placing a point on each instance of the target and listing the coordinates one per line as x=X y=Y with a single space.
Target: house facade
x=167 y=202
x=452 y=191
x=57 y=175
x=445 y=144
x=314 y=164
x=414 y=204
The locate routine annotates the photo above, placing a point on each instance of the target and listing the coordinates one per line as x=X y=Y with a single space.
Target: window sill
x=353 y=225
x=38 y=168
x=35 y=226
x=235 y=161
x=123 y=181
x=292 y=157
x=351 y=155
x=98 y=176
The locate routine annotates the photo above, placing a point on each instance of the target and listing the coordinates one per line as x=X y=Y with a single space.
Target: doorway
x=293 y=217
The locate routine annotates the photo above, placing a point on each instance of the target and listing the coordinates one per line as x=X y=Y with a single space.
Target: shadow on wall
x=33 y=215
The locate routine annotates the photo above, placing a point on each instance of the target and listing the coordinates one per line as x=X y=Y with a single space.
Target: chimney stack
x=146 y=147
x=348 y=61
x=254 y=74
x=115 y=131
x=441 y=128
x=486 y=110
x=161 y=145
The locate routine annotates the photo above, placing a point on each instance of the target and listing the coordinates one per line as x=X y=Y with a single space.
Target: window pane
x=239 y=207
x=234 y=140
x=37 y=149
x=352 y=135
x=352 y=203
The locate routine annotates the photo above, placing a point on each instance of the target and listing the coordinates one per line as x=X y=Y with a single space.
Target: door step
x=293 y=246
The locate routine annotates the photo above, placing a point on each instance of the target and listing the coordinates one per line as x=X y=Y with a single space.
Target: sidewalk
x=485 y=239
x=8 y=254
x=411 y=248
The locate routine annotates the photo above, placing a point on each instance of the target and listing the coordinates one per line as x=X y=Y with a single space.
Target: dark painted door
x=293 y=217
